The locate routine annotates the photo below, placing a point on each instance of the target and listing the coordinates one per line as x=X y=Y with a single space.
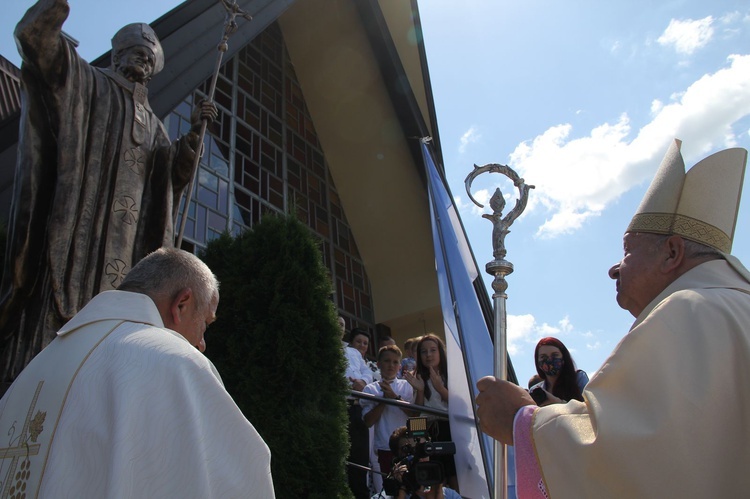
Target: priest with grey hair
x=122 y=403
x=97 y=179
x=667 y=413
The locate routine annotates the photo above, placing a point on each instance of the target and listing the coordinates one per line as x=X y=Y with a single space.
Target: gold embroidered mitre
x=701 y=205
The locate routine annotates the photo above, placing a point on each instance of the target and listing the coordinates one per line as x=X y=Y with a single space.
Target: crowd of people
x=420 y=377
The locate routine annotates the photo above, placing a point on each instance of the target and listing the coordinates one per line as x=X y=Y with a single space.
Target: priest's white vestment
x=117 y=406
x=668 y=414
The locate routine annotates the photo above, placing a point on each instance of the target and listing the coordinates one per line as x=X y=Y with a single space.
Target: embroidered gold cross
x=32 y=428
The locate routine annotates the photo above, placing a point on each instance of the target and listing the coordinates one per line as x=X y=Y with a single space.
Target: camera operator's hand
x=398 y=472
x=435 y=492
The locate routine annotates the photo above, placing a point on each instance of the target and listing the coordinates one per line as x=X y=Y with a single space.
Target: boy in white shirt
x=386 y=417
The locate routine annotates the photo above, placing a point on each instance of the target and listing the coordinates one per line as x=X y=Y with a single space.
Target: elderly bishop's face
x=135 y=63
x=638 y=277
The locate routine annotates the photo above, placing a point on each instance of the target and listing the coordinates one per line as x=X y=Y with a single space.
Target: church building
x=323 y=117
x=325 y=109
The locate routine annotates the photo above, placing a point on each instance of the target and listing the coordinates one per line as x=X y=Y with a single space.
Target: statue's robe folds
x=95 y=186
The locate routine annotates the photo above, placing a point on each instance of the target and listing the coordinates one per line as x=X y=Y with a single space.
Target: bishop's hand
x=497 y=404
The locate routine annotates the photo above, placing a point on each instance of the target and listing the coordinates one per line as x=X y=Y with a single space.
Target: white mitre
x=700 y=205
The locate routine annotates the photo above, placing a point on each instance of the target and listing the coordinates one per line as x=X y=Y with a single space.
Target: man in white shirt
x=357 y=371
x=359 y=375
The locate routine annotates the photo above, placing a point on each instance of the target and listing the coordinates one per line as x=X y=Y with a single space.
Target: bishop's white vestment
x=117 y=406
x=667 y=415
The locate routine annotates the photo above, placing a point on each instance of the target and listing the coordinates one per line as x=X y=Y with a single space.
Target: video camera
x=420 y=472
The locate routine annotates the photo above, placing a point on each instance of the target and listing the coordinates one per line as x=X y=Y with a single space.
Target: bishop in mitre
x=667 y=413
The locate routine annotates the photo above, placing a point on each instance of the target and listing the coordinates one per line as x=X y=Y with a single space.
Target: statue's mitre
x=701 y=205
x=143 y=35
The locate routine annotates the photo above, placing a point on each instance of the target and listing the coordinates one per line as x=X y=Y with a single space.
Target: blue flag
x=469 y=346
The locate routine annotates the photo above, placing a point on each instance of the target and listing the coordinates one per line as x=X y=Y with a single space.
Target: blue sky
x=581 y=99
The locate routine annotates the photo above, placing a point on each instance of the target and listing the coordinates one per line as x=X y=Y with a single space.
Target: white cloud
x=687 y=36
x=521 y=330
x=471 y=136
x=731 y=24
x=524 y=331
x=482 y=196
x=731 y=17
x=594 y=346
x=460 y=204
x=565 y=324
x=576 y=178
x=563 y=222
x=547 y=330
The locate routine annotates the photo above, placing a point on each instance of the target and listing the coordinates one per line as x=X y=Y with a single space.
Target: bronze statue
x=97 y=179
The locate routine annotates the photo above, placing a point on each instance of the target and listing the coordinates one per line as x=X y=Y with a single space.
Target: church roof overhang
x=353 y=61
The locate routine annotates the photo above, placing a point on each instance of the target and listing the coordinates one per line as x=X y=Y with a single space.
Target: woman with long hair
x=430 y=383
x=430 y=379
x=560 y=378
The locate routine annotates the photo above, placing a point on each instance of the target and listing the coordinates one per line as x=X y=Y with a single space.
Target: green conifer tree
x=277 y=346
